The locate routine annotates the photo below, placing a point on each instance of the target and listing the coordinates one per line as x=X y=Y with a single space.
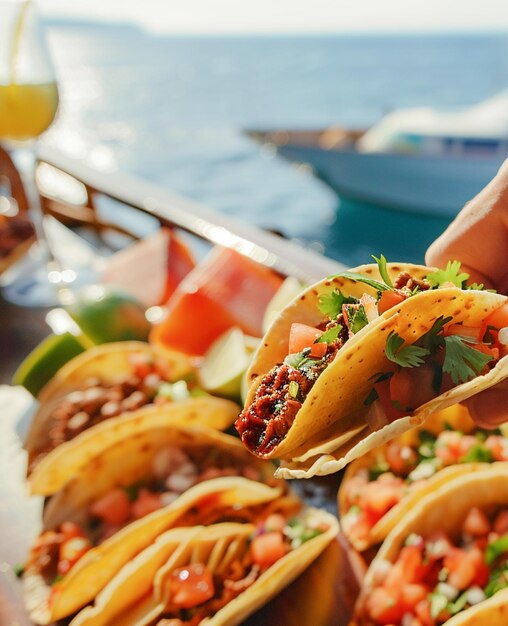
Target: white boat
x=418 y=160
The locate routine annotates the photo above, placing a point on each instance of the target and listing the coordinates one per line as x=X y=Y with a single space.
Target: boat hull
x=437 y=186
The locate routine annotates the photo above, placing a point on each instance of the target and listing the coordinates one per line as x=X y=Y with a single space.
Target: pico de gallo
x=174 y=471
x=437 y=576
x=265 y=422
x=97 y=400
x=197 y=593
x=399 y=470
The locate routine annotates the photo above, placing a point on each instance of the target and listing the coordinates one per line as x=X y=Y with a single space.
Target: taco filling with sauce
x=400 y=469
x=194 y=592
x=265 y=422
x=173 y=472
x=437 y=576
x=97 y=400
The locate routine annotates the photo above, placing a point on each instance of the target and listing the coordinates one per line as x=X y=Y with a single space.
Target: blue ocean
x=172 y=110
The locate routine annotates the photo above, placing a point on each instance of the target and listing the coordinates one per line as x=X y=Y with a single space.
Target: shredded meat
x=44 y=555
x=265 y=423
x=405 y=280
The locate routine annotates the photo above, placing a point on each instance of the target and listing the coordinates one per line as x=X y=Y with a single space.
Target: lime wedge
x=105 y=315
x=224 y=364
x=289 y=289
x=45 y=360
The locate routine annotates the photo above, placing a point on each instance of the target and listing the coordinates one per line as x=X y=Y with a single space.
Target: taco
x=446 y=561
x=381 y=486
x=436 y=347
x=92 y=529
x=103 y=383
x=217 y=575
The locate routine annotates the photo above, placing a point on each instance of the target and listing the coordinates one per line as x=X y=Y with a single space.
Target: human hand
x=478 y=237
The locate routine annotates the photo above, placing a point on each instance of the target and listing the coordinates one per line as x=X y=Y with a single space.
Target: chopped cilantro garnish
x=360 y=278
x=357 y=318
x=407 y=356
x=432 y=340
x=498 y=580
x=19 y=570
x=459 y=604
x=330 y=304
x=381 y=467
x=438 y=602
x=461 y=361
x=330 y=335
x=496 y=549
x=478 y=453
x=295 y=360
x=381 y=263
x=449 y=275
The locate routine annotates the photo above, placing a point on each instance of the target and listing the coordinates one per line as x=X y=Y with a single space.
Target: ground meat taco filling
x=399 y=470
x=97 y=400
x=173 y=472
x=438 y=576
x=265 y=422
x=195 y=593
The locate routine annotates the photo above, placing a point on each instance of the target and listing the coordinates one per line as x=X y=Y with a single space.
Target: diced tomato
x=383 y=391
x=461 y=565
x=70 y=553
x=388 y=300
x=384 y=606
x=114 y=508
x=379 y=498
x=498 y=318
x=423 y=613
x=448 y=447
x=402 y=388
x=438 y=545
x=268 y=548
x=142 y=364
x=70 y=530
x=275 y=521
x=302 y=336
x=145 y=503
x=466 y=443
x=501 y=523
x=190 y=586
x=498 y=447
x=412 y=594
x=401 y=459
x=464 y=331
x=411 y=560
x=476 y=523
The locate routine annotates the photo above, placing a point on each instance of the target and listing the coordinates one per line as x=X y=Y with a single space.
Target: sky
x=291 y=16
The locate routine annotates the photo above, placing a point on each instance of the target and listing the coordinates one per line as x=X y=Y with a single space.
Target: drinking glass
x=28 y=105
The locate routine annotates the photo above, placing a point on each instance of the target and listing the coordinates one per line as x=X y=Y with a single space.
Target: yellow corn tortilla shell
x=98 y=566
x=445 y=510
x=456 y=417
x=217 y=546
x=109 y=362
x=67 y=460
x=322 y=407
x=351 y=384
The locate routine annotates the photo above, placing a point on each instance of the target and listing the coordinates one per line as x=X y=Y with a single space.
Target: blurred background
x=165 y=90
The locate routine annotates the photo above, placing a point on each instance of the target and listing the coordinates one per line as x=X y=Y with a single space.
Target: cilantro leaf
x=462 y=362
x=478 y=453
x=496 y=549
x=356 y=318
x=407 y=356
x=330 y=304
x=330 y=335
x=381 y=263
x=449 y=275
x=431 y=339
x=360 y=278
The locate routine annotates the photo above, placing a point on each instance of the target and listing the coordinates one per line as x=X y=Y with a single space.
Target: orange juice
x=26 y=110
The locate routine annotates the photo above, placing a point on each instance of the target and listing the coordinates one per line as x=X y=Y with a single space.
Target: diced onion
x=448 y=591
x=475 y=595
x=503 y=336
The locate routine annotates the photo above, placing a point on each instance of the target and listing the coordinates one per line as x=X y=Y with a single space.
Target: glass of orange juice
x=28 y=105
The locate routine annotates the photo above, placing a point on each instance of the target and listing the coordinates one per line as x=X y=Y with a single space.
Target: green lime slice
x=224 y=365
x=105 y=315
x=45 y=360
x=289 y=289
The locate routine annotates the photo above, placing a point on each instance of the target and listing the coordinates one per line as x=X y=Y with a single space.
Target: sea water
x=172 y=110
